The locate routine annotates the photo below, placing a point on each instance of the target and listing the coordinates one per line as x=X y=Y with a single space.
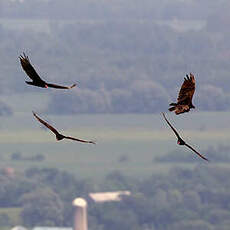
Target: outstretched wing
x=196 y=152
x=60 y=86
x=28 y=68
x=187 y=90
x=174 y=130
x=46 y=124
x=75 y=139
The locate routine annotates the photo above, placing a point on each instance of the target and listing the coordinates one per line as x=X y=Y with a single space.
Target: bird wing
x=174 y=130
x=60 y=86
x=196 y=152
x=28 y=68
x=187 y=90
x=75 y=139
x=46 y=124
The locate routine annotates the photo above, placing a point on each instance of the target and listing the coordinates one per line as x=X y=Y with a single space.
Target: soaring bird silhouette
x=36 y=80
x=180 y=141
x=59 y=136
x=184 y=100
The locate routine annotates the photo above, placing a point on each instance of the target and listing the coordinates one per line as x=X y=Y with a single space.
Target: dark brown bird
x=58 y=135
x=36 y=80
x=180 y=141
x=184 y=100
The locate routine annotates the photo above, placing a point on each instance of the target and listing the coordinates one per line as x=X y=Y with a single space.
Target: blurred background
x=128 y=59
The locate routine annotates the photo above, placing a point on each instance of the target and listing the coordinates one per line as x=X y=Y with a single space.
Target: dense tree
x=181 y=199
x=42 y=207
x=122 y=66
x=12 y=188
x=4 y=220
x=192 y=225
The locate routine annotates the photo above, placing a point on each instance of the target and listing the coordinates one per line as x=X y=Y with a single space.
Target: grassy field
x=13 y=214
x=137 y=138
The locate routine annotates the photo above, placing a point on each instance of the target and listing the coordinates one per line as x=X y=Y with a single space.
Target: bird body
x=58 y=135
x=184 y=100
x=36 y=80
x=41 y=84
x=180 y=141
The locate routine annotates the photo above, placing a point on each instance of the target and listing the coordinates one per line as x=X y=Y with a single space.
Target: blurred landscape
x=128 y=59
x=126 y=142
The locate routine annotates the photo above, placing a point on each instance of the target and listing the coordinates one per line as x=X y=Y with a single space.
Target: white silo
x=80 y=215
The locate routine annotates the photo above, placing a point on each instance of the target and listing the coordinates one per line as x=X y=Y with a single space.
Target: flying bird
x=36 y=80
x=59 y=136
x=180 y=141
x=184 y=100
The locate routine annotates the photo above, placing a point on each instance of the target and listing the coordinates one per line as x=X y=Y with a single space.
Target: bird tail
x=172 y=108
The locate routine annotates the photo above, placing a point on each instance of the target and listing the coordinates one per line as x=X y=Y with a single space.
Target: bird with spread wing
x=36 y=80
x=184 y=100
x=59 y=136
x=180 y=141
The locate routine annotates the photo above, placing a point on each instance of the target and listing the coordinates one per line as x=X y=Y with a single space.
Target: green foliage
x=42 y=207
x=65 y=185
x=12 y=216
x=192 y=225
x=4 y=220
x=122 y=66
x=17 y=156
x=181 y=199
x=12 y=188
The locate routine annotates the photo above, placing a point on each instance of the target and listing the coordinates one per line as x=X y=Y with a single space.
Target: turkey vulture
x=36 y=80
x=182 y=142
x=184 y=100
x=58 y=135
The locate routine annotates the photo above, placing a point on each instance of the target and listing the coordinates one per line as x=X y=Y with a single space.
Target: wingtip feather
x=72 y=86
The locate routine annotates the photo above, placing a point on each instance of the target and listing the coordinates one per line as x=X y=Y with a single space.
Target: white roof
x=108 y=196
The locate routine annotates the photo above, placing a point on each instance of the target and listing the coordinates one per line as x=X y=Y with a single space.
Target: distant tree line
x=216 y=154
x=180 y=199
x=18 y=156
x=130 y=66
x=130 y=9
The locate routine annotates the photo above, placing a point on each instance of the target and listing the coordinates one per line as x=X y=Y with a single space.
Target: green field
x=137 y=137
x=13 y=214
